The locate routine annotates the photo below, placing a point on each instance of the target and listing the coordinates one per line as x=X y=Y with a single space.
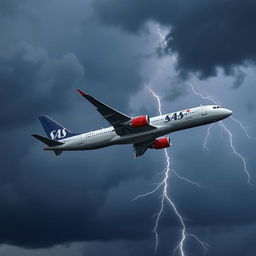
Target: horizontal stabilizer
x=48 y=142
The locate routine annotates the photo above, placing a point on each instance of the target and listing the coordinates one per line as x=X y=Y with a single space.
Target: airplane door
x=203 y=110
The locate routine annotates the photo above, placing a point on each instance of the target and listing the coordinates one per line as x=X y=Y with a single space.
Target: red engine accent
x=162 y=143
x=140 y=121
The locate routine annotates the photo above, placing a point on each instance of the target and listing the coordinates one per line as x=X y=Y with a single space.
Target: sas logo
x=175 y=116
x=58 y=134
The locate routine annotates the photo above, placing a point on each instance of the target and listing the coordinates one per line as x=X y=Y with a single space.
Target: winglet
x=82 y=93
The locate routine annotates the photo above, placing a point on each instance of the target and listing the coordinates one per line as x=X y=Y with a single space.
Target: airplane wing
x=117 y=119
x=141 y=148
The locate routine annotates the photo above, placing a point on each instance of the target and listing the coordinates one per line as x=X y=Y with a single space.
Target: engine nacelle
x=162 y=143
x=140 y=121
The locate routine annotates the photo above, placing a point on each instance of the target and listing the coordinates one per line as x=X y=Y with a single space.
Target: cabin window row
x=89 y=136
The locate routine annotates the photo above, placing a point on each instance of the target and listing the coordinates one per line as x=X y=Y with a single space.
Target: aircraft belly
x=96 y=144
x=100 y=144
x=141 y=137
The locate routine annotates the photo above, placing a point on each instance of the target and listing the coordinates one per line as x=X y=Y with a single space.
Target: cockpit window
x=214 y=107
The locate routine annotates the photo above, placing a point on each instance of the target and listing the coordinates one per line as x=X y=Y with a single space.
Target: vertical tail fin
x=54 y=130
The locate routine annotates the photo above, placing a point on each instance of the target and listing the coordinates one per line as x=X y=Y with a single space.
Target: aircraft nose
x=228 y=113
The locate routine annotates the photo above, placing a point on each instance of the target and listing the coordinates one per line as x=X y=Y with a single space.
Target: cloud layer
x=204 y=35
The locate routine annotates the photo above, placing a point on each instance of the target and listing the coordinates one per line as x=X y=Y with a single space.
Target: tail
x=50 y=143
x=54 y=130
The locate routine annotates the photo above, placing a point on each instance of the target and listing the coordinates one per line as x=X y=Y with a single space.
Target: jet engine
x=140 y=121
x=162 y=143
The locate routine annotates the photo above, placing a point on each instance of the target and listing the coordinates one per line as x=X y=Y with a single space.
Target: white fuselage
x=165 y=124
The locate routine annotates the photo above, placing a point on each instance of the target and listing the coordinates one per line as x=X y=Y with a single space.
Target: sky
x=81 y=203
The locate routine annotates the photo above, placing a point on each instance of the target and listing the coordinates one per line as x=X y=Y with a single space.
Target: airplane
x=141 y=131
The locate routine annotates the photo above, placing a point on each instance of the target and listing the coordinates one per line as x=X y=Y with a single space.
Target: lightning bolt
x=207 y=136
x=165 y=198
x=243 y=128
x=167 y=171
x=166 y=153
x=241 y=157
x=235 y=152
x=164 y=42
x=201 y=95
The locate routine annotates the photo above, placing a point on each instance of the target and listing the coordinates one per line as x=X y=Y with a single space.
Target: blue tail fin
x=54 y=130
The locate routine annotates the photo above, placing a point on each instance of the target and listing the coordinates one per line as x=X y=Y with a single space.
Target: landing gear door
x=203 y=110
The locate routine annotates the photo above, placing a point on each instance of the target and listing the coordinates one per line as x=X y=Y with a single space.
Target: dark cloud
x=8 y=7
x=107 y=62
x=53 y=203
x=176 y=91
x=204 y=35
x=39 y=72
x=239 y=78
x=31 y=82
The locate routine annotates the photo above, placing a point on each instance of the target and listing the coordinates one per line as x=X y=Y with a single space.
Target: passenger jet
x=143 y=131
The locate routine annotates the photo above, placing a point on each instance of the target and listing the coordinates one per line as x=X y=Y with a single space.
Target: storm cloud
x=204 y=35
x=30 y=78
